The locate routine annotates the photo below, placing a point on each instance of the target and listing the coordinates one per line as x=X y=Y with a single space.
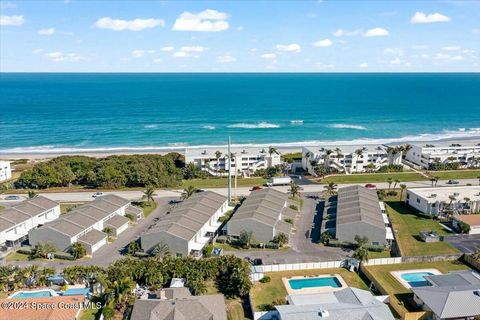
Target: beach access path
x=307 y=186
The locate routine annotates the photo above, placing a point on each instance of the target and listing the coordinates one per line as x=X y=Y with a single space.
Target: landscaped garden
x=265 y=295
x=223 y=182
x=407 y=224
x=373 y=177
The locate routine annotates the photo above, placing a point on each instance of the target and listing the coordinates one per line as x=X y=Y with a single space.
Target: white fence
x=380 y=261
x=296 y=266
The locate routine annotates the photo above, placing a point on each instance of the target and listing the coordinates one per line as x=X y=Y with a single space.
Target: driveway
x=305 y=242
x=113 y=251
x=465 y=243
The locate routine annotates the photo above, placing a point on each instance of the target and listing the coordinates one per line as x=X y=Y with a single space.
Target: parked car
x=452 y=182
x=97 y=194
x=256 y=188
x=12 y=198
x=370 y=186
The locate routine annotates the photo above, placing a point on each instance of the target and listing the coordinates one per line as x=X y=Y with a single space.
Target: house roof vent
x=323 y=313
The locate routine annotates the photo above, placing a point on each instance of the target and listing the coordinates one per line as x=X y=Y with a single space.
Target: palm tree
x=395 y=185
x=370 y=167
x=432 y=180
x=188 y=192
x=272 y=150
x=78 y=250
x=436 y=180
x=161 y=250
x=218 y=155
x=358 y=153
x=148 y=193
x=31 y=194
x=478 y=180
x=325 y=237
x=381 y=194
x=326 y=160
x=389 y=181
x=407 y=147
x=402 y=190
x=43 y=248
x=361 y=254
x=331 y=188
x=294 y=189
x=119 y=292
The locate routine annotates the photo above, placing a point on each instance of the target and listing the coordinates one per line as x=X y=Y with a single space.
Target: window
x=418 y=200
x=178 y=255
x=375 y=243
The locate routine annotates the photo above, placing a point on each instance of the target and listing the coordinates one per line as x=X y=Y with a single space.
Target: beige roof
x=266 y=206
x=186 y=219
x=85 y=216
x=24 y=211
x=358 y=204
x=117 y=221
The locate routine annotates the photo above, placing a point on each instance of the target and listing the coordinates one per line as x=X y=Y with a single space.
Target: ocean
x=46 y=112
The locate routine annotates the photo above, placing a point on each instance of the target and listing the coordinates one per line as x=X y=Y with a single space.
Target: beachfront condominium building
x=18 y=220
x=359 y=213
x=189 y=226
x=245 y=161
x=443 y=200
x=265 y=213
x=5 y=170
x=86 y=224
x=348 y=159
x=426 y=155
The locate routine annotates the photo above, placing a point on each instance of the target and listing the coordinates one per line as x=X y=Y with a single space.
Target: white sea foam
x=459 y=134
x=150 y=126
x=296 y=122
x=258 y=125
x=209 y=127
x=347 y=126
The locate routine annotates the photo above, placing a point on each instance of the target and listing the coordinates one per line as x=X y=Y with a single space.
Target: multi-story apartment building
x=349 y=159
x=467 y=155
x=5 y=171
x=245 y=161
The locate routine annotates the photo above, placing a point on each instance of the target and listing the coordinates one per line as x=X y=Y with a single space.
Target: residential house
x=5 y=170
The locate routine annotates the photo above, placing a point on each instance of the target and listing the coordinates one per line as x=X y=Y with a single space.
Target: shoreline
x=282 y=148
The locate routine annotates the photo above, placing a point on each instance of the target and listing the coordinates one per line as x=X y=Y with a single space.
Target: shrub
x=392 y=193
x=25 y=250
x=279 y=301
x=266 y=307
x=207 y=250
x=391 y=168
x=221 y=239
x=272 y=245
x=130 y=216
x=288 y=220
x=63 y=255
x=265 y=279
x=293 y=207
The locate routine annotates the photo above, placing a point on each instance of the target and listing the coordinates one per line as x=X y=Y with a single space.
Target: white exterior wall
x=22 y=229
x=98 y=245
x=5 y=171
x=424 y=156
x=349 y=162
x=433 y=205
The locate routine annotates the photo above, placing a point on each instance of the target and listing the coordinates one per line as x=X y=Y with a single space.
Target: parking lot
x=465 y=243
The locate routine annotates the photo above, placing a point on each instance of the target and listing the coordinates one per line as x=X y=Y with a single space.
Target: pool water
x=416 y=279
x=314 y=282
x=33 y=294
x=76 y=292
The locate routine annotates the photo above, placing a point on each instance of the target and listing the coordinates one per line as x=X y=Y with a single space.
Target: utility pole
x=229 y=156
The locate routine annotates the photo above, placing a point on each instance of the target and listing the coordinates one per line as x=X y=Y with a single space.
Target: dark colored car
x=370 y=186
x=452 y=182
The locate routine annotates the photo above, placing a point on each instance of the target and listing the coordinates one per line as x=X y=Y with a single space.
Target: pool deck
x=291 y=291
x=398 y=275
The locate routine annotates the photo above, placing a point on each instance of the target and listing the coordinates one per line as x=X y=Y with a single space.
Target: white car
x=98 y=194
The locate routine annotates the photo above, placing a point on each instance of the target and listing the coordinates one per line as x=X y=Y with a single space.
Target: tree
x=119 y=292
x=463 y=227
x=370 y=167
x=432 y=180
x=272 y=150
x=218 y=155
x=41 y=249
x=478 y=180
x=78 y=250
x=395 y=185
x=402 y=190
x=381 y=194
x=361 y=254
x=148 y=193
x=233 y=278
x=361 y=241
x=133 y=247
x=294 y=189
x=389 y=181
x=188 y=192
x=325 y=237
x=331 y=188
x=160 y=250
x=31 y=194
x=358 y=153
x=108 y=231
x=245 y=239
x=436 y=180
x=281 y=239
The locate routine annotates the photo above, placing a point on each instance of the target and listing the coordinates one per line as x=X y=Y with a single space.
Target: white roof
x=443 y=193
x=346 y=149
x=389 y=234
x=385 y=218
x=210 y=152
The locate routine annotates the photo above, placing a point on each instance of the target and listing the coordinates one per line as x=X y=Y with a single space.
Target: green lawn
x=264 y=294
x=373 y=177
x=89 y=314
x=223 y=182
x=455 y=174
x=398 y=293
x=66 y=207
x=149 y=209
x=375 y=255
x=407 y=225
x=15 y=256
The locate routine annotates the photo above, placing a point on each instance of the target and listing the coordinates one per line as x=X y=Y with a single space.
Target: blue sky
x=239 y=36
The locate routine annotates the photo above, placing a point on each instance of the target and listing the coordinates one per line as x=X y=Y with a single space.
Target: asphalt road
x=243 y=191
x=465 y=243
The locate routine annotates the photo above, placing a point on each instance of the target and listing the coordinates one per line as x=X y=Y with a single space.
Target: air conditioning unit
x=323 y=313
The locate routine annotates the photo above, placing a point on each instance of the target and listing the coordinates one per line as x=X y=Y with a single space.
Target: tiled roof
x=356 y=203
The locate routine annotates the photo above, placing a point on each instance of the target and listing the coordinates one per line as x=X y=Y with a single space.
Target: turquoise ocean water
x=67 y=112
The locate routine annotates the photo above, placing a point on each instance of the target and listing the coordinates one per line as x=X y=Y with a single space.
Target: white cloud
x=206 y=21
x=448 y=57
x=323 y=66
x=395 y=51
x=240 y=28
x=226 y=59
x=376 y=32
x=396 y=61
x=132 y=25
x=11 y=20
x=59 y=56
x=420 y=17
x=157 y=60
x=322 y=43
x=37 y=51
x=46 y=32
x=189 y=51
x=452 y=48
x=138 y=53
x=293 y=47
x=346 y=33
x=363 y=65
x=7 y=5
x=167 y=49
x=269 y=56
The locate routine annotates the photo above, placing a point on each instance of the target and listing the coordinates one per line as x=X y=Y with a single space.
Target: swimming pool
x=76 y=292
x=304 y=283
x=416 y=279
x=33 y=294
